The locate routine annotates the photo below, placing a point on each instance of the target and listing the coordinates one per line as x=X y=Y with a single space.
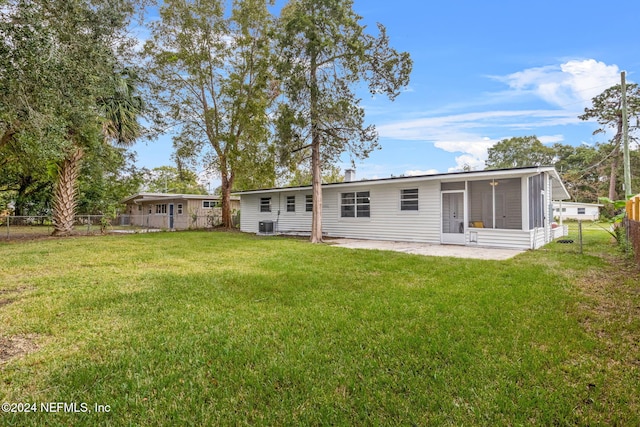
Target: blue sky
x=485 y=71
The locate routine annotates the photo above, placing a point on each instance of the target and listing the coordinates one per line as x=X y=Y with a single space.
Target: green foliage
x=324 y=53
x=519 y=152
x=616 y=229
x=60 y=62
x=302 y=177
x=107 y=176
x=168 y=179
x=606 y=109
x=211 y=78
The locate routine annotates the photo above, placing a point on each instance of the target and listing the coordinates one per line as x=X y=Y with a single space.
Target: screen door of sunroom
x=452 y=231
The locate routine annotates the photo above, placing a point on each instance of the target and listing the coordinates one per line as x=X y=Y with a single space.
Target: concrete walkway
x=427 y=249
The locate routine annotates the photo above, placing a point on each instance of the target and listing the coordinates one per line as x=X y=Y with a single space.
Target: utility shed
x=505 y=208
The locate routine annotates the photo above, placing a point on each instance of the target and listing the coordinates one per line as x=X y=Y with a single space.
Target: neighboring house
x=174 y=211
x=508 y=208
x=573 y=210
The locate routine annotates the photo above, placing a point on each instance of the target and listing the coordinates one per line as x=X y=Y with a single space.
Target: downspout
x=277 y=230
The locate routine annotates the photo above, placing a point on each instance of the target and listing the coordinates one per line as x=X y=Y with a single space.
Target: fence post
x=580 y=234
x=8 y=221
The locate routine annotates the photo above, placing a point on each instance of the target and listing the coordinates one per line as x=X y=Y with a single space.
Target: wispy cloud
x=417 y=172
x=570 y=85
x=566 y=88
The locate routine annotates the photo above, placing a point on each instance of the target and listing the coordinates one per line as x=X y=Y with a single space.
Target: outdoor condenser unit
x=265 y=227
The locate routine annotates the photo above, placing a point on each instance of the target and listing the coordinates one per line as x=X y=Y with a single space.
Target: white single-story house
x=173 y=211
x=574 y=210
x=506 y=208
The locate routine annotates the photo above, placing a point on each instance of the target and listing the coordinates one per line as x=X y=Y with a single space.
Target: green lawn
x=210 y=328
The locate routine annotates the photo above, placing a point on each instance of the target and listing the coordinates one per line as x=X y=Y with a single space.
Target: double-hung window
x=409 y=199
x=308 y=203
x=355 y=205
x=291 y=203
x=265 y=204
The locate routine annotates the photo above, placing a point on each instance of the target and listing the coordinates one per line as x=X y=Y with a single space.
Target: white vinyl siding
x=387 y=220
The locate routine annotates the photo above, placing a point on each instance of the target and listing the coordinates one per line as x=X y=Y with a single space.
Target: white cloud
x=570 y=85
x=417 y=172
x=567 y=87
x=467 y=161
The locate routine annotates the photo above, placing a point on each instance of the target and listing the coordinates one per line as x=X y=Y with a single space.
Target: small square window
x=409 y=199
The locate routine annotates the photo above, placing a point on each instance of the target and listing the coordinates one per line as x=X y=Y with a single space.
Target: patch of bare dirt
x=16 y=346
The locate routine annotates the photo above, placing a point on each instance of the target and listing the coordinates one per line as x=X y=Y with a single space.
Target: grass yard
x=209 y=328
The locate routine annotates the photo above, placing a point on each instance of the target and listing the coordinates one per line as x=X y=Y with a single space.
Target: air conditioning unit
x=265 y=227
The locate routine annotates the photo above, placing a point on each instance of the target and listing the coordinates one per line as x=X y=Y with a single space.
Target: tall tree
x=606 y=109
x=519 y=152
x=169 y=179
x=62 y=55
x=211 y=77
x=324 y=52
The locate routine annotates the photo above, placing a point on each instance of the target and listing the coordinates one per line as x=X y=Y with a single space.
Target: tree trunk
x=614 y=162
x=64 y=195
x=316 y=218
x=614 y=172
x=227 y=184
x=316 y=170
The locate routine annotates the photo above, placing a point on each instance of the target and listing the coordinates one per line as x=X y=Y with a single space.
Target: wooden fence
x=633 y=223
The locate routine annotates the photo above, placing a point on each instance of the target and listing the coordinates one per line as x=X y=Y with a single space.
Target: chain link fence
x=29 y=227
x=25 y=227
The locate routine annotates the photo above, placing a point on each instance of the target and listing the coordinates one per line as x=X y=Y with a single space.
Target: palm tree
x=118 y=114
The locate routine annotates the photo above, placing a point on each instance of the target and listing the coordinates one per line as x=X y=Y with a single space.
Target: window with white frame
x=179 y=208
x=161 y=209
x=355 y=205
x=581 y=211
x=208 y=204
x=291 y=203
x=265 y=204
x=409 y=199
x=308 y=203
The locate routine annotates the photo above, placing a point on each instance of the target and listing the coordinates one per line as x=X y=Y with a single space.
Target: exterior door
x=453 y=224
x=171 y=216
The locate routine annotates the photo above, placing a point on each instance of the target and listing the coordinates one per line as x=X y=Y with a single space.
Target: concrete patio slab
x=427 y=249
